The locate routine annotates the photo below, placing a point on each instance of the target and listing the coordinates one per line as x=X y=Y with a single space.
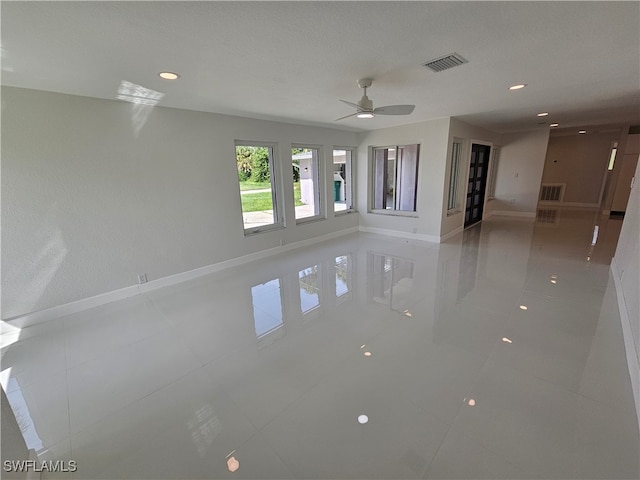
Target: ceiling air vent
x=445 y=63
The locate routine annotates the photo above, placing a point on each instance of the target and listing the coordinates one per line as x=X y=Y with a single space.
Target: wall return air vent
x=445 y=63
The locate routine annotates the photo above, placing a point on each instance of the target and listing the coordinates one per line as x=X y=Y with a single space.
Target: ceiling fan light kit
x=364 y=108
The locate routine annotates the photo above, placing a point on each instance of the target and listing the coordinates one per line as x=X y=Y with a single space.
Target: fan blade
x=394 y=110
x=346 y=116
x=354 y=105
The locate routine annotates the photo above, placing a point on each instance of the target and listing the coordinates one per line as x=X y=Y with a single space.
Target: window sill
x=263 y=229
x=345 y=212
x=395 y=213
x=317 y=218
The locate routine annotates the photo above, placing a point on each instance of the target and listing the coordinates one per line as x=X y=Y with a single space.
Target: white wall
x=95 y=192
x=469 y=134
x=579 y=161
x=626 y=271
x=520 y=173
x=432 y=137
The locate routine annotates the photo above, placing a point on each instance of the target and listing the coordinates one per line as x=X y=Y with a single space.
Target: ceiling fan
x=364 y=108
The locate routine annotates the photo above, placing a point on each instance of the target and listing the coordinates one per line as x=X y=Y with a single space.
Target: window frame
x=453 y=204
x=319 y=192
x=348 y=181
x=374 y=180
x=613 y=152
x=493 y=172
x=276 y=192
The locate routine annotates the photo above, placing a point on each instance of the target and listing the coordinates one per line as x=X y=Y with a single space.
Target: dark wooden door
x=477 y=184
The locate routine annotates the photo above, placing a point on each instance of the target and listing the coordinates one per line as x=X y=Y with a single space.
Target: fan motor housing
x=365 y=82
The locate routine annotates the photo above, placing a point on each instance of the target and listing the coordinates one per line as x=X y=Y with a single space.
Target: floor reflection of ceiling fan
x=364 y=108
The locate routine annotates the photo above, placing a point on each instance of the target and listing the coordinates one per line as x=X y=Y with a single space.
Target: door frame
x=473 y=141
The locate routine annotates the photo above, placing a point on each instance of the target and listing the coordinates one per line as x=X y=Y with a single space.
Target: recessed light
x=543 y=114
x=169 y=75
x=362 y=419
x=554 y=124
x=582 y=132
x=523 y=307
x=518 y=86
x=233 y=464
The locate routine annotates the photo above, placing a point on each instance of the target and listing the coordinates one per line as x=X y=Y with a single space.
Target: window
x=306 y=182
x=612 y=157
x=493 y=172
x=256 y=177
x=454 y=174
x=342 y=186
x=395 y=178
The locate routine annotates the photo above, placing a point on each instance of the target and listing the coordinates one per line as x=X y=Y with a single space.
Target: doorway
x=477 y=183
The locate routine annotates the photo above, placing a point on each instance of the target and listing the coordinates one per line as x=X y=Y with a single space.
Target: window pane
x=306 y=182
x=494 y=173
x=612 y=157
x=395 y=178
x=453 y=179
x=256 y=180
x=342 y=193
x=406 y=178
x=380 y=178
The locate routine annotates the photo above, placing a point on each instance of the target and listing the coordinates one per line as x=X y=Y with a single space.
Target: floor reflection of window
x=309 y=289
x=343 y=276
x=204 y=426
x=267 y=307
x=23 y=417
x=391 y=280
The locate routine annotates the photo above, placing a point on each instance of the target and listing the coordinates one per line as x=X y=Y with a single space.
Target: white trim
x=547 y=203
x=452 y=233
x=398 y=233
x=509 y=213
x=58 y=311
x=633 y=362
x=394 y=213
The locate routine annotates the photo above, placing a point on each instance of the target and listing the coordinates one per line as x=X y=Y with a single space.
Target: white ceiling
x=292 y=61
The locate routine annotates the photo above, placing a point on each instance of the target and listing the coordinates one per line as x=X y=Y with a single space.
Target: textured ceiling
x=292 y=61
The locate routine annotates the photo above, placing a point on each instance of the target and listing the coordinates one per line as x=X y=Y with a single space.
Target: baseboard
x=633 y=362
x=568 y=204
x=70 y=308
x=510 y=213
x=452 y=233
x=400 y=234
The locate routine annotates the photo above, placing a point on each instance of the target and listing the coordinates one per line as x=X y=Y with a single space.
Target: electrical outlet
x=513 y=201
x=142 y=278
x=414 y=230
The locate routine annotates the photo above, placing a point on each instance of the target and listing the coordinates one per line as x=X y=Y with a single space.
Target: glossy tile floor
x=498 y=354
